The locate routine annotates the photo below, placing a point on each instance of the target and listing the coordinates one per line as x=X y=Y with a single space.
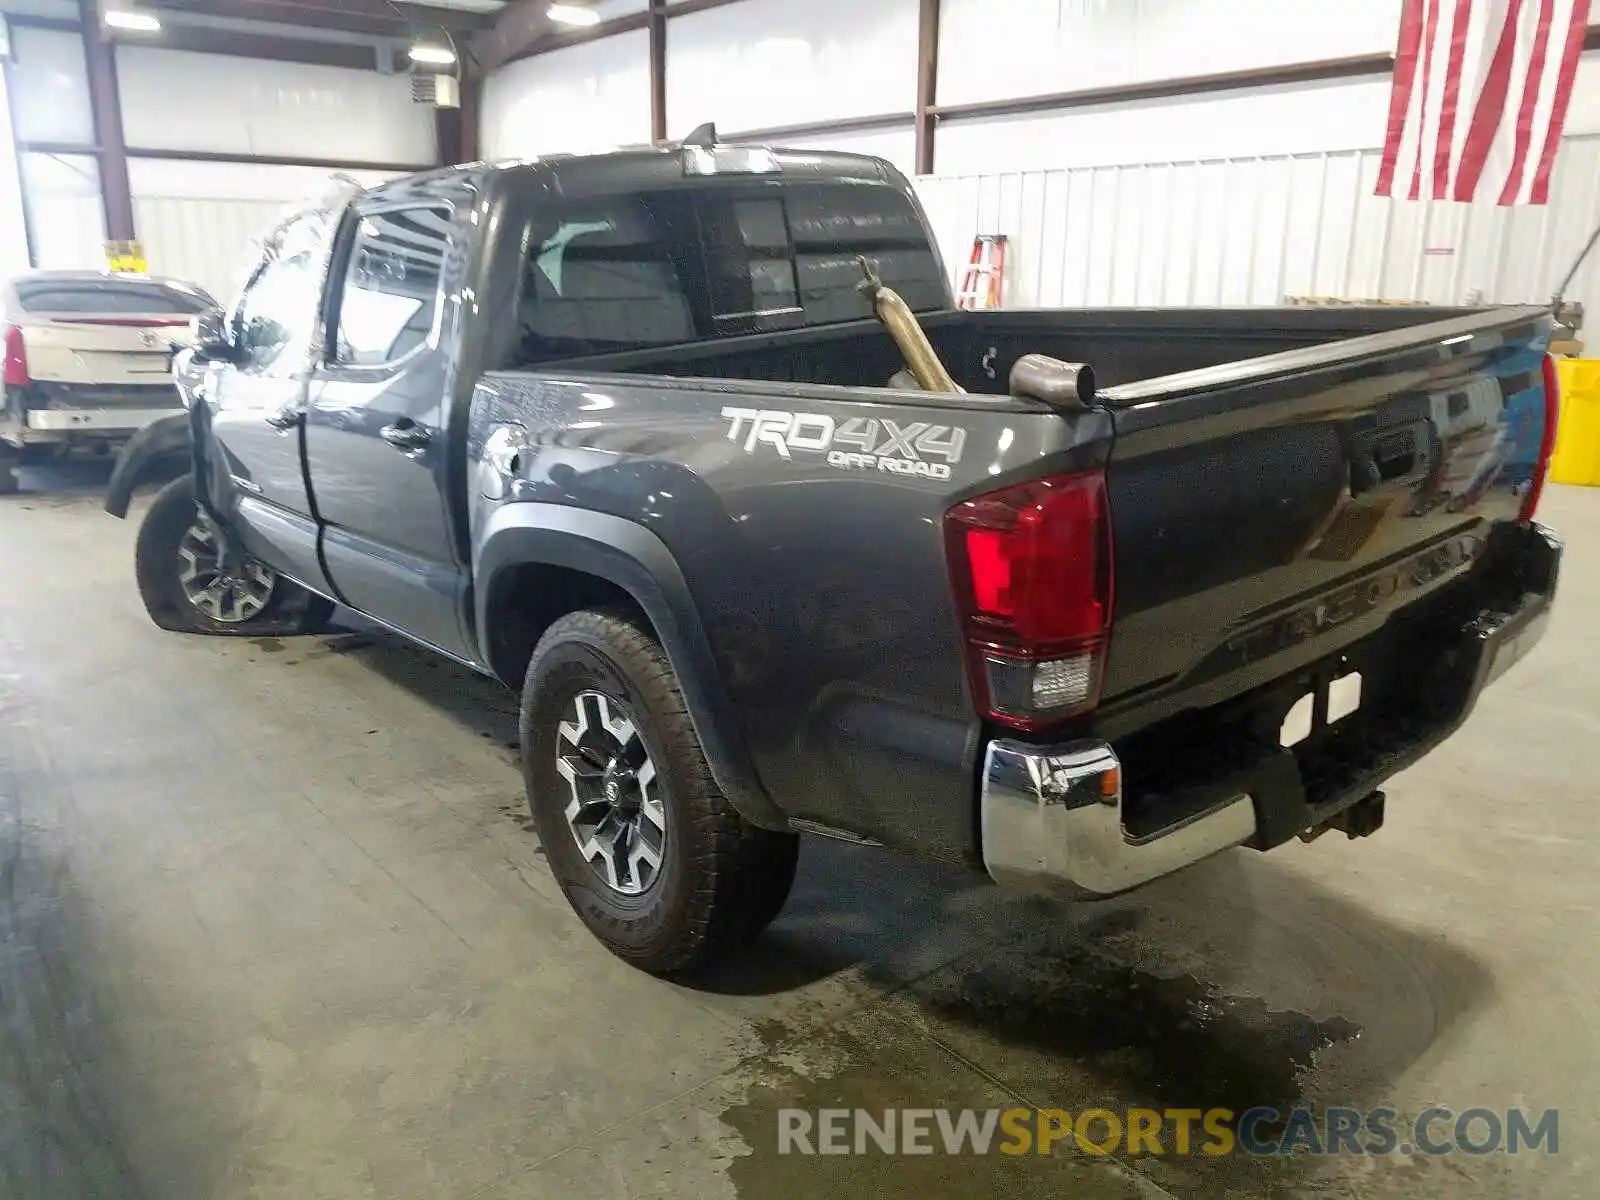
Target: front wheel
x=186 y=589
x=648 y=851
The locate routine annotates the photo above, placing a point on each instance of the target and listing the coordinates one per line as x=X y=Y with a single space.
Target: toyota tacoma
x=692 y=447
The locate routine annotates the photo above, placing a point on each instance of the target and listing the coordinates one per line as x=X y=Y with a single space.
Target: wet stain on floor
x=1028 y=1028
x=347 y=643
x=876 y=1064
x=1169 y=1042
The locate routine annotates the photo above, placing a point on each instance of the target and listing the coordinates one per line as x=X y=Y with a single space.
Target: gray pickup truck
x=629 y=432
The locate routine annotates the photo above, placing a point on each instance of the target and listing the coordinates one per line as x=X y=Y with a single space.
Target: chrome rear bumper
x=1052 y=822
x=1052 y=816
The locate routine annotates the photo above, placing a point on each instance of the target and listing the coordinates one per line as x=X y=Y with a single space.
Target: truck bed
x=1240 y=449
x=1123 y=345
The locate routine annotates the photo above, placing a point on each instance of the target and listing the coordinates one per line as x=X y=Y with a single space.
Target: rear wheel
x=10 y=460
x=186 y=588
x=650 y=854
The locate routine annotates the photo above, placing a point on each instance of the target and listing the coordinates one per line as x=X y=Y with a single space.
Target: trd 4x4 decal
x=859 y=444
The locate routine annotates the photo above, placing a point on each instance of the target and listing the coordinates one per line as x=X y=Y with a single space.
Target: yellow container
x=1577 y=454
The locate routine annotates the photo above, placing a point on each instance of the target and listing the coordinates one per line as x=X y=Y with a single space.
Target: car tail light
x=1032 y=573
x=1547 y=441
x=16 y=369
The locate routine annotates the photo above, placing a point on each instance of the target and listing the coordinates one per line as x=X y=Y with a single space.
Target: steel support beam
x=204 y=39
x=775 y=134
x=522 y=30
x=116 y=195
x=658 y=71
x=68 y=149
x=927 y=83
x=272 y=160
x=275 y=43
x=1351 y=67
x=377 y=17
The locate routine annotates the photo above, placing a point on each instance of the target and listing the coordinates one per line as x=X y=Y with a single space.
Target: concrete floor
x=271 y=926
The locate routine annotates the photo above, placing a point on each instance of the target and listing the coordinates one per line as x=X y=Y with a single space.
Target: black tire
x=10 y=460
x=289 y=610
x=721 y=880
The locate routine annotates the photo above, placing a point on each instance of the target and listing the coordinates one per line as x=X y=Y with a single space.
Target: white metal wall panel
x=50 y=87
x=206 y=241
x=996 y=49
x=895 y=143
x=1339 y=114
x=13 y=241
x=63 y=198
x=199 y=221
x=762 y=63
x=1305 y=118
x=590 y=97
x=1257 y=230
x=175 y=99
x=284 y=185
x=64 y=9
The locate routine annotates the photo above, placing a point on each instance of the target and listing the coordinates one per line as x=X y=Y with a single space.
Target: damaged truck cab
x=1079 y=598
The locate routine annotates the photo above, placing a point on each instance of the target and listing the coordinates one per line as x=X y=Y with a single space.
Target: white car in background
x=88 y=359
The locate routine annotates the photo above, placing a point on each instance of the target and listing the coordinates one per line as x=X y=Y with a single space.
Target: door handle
x=286 y=418
x=406 y=434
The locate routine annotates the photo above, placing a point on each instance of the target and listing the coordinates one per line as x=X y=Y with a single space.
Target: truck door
x=375 y=434
x=256 y=402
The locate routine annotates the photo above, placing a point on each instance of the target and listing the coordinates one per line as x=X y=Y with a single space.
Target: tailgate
x=128 y=350
x=1270 y=512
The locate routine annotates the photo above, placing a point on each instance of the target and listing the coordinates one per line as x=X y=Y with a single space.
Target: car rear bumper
x=107 y=422
x=1052 y=821
x=1055 y=818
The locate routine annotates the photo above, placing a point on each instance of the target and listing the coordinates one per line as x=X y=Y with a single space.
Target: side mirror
x=210 y=335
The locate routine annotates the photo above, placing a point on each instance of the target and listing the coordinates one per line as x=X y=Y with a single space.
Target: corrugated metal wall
x=1257 y=230
x=208 y=241
x=64 y=214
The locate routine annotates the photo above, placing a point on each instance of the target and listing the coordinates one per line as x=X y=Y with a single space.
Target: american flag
x=1480 y=94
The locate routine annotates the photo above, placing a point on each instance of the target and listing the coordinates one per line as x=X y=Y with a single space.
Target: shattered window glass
x=275 y=319
x=391 y=287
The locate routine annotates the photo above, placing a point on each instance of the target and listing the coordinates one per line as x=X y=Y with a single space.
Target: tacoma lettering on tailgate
x=1346 y=604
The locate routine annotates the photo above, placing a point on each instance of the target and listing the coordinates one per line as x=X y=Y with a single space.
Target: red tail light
x=16 y=369
x=1032 y=572
x=1547 y=442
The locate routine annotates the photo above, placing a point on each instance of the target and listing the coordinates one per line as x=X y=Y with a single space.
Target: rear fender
x=160 y=441
x=634 y=559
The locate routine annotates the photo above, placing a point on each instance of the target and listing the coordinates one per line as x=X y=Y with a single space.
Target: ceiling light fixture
x=432 y=54
x=572 y=14
x=132 y=20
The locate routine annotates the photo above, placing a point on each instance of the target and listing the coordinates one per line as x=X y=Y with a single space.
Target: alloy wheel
x=230 y=599
x=614 y=810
